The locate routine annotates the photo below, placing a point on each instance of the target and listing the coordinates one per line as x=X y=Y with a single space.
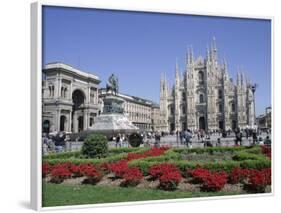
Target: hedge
x=226 y=166
x=63 y=155
x=109 y=159
x=209 y=149
x=243 y=155
x=78 y=154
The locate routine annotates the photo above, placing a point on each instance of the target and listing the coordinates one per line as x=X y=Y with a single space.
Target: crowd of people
x=55 y=142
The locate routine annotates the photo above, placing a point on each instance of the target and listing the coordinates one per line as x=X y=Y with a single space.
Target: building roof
x=60 y=65
x=135 y=99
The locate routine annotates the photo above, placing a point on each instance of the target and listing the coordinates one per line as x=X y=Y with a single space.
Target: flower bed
x=249 y=169
x=132 y=177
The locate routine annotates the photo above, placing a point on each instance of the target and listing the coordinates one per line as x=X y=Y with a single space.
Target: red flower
x=214 y=181
x=153 y=152
x=170 y=180
x=119 y=168
x=198 y=174
x=132 y=176
x=60 y=173
x=266 y=151
x=157 y=171
x=238 y=175
x=76 y=170
x=46 y=168
x=258 y=180
x=134 y=156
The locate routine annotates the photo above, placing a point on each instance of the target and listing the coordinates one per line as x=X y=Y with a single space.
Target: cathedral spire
x=238 y=77
x=177 y=67
x=191 y=55
x=187 y=57
x=177 y=73
x=224 y=64
x=208 y=53
x=214 y=54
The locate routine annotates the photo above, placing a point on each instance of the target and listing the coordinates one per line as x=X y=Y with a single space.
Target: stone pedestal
x=112 y=121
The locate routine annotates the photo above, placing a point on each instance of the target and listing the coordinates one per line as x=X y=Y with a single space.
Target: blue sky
x=138 y=47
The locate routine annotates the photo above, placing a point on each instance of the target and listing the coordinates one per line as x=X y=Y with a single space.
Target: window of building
x=201 y=77
x=183 y=109
x=220 y=108
x=172 y=110
x=233 y=107
x=51 y=90
x=220 y=93
x=201 y=98
x=183 y=96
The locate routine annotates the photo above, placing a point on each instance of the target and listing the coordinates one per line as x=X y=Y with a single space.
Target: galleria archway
x=78 y=99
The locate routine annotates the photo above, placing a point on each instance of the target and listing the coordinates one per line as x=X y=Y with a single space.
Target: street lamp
x=253 y=88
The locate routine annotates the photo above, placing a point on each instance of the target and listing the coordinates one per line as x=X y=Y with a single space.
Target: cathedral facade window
x=220 y=94
x=220 y=108
x=201 y=77
x=201 y=98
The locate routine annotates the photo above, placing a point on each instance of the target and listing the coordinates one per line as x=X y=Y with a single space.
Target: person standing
x=188 y=137
x=255 y=138
x=118 y=140
x=157 y=140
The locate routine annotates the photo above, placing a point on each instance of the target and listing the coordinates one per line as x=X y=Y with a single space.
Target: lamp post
x=253 y=88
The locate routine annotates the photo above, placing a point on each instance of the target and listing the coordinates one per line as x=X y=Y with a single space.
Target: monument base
x=112 y=124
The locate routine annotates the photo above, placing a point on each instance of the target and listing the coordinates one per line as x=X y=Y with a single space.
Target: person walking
x=157 y=140
x=188 y=137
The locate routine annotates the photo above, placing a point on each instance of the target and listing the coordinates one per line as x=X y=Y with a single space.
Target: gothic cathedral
x=206 y=97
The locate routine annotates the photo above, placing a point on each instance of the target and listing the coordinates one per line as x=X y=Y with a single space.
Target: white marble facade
x=70 y=98
x=205 y=96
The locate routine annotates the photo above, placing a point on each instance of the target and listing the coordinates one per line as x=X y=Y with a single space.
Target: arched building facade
x=70 y=98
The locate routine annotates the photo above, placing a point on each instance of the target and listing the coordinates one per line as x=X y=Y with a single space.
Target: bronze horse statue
x=112 y=84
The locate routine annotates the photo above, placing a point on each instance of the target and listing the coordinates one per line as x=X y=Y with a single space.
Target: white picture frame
x=36 y=97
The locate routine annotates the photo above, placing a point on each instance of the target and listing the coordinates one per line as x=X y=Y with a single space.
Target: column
x=58 y=119
x=70 y=121
x=75 y=122
x=85 y=119
x=97 y=96
x=70 y=93
x=89 y=94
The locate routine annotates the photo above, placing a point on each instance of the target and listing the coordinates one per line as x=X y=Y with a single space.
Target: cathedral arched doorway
x=62 y=123
x=221 y=125
x=233 y=124
x=172 y=127
x=202 y=124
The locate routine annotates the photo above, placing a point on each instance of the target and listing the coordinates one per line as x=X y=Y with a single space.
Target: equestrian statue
x=112 y=84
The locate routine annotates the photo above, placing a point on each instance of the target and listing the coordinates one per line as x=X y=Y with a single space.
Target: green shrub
x=63 y=155
x=243 y=155
x=255 y=164
x=210 y=150
x=127 y=150
x=95 y=146
x=135 y=140
x=254 y=150
x=142 y=165
x=226 y=166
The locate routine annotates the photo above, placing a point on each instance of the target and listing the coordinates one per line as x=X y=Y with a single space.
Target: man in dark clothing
x=255 y=139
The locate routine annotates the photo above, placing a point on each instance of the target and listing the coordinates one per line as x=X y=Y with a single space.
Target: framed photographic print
x=140 y=106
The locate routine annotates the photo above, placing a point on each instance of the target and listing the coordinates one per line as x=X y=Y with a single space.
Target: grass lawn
x=60 y=194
